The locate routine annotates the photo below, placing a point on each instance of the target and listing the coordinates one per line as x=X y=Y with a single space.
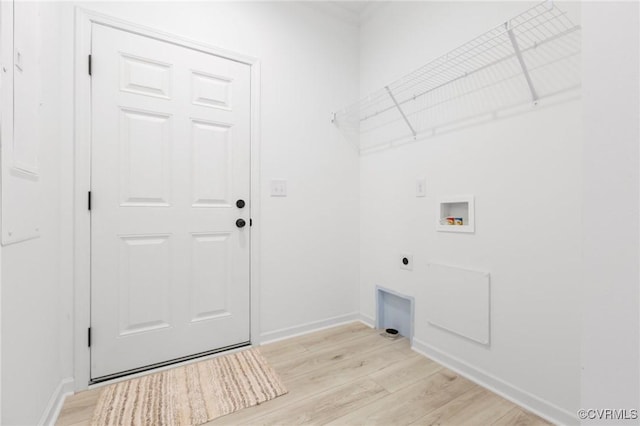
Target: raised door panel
x=144 y=76
x=212 y=164
x=145 y=144
x=211 y=90
x=144 y=283
x=210 y=275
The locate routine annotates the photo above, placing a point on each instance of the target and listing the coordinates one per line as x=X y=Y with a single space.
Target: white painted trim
x=168 y=367
x=56 y=401
x=120 y=24
x=536 y=405
x=470 y=226
x=379 y=308
x=310 y=327
x=367 y=320
x=82 y=152
x=81 y=217
x=255 y=207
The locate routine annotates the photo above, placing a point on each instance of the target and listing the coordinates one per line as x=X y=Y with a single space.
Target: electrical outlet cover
x=406 y=261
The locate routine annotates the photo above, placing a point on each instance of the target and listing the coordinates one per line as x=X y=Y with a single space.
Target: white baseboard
x=51 y=412
x=310 y=327
x=536 y=405
x=367 y=320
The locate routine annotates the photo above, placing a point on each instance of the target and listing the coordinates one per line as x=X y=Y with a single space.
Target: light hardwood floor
x=350 y=375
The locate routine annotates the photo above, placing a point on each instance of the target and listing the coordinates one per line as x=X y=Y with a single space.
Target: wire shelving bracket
x=532 y=56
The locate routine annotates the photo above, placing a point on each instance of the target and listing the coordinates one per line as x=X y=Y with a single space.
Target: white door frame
x=82 y=177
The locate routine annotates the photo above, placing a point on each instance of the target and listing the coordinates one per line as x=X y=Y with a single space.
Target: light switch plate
x=421 y=187
x=408 y=258
x=278 y=188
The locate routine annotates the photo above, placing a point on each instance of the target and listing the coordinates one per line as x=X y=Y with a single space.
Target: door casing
x=84 y=19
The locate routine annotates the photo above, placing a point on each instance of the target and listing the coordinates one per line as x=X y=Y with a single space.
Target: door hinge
x=89 y=63
x=89 y=200
x=89 y=337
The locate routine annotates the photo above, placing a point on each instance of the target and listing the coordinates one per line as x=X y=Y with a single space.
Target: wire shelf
x=530 y=57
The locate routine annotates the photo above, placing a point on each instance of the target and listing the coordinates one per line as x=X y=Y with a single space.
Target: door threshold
x=160 y=365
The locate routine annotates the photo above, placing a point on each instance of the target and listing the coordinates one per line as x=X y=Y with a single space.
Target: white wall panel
x=35 y=307
x=459 y=300
x=21 y=174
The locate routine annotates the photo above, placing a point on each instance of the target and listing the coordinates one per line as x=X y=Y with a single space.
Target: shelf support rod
x=406 y=120
x=525 y=70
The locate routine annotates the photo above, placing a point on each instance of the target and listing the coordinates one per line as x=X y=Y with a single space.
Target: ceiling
x=350 y=11
x=356 y=7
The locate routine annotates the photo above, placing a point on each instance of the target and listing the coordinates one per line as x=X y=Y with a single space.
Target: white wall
x=526 y=172
x=31 y=285
x=526 y=175
x=309 y=239
x=610 y=328
x=309 y=68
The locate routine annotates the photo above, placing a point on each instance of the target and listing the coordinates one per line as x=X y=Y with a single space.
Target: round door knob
x=240 y=223
x=240 y=204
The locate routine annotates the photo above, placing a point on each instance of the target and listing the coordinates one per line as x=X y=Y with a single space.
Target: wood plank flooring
x=350 y=375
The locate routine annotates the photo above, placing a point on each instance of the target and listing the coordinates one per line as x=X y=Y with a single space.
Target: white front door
x=170 y=160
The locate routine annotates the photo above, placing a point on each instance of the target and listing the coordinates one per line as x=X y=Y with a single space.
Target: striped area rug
x=192 y=394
